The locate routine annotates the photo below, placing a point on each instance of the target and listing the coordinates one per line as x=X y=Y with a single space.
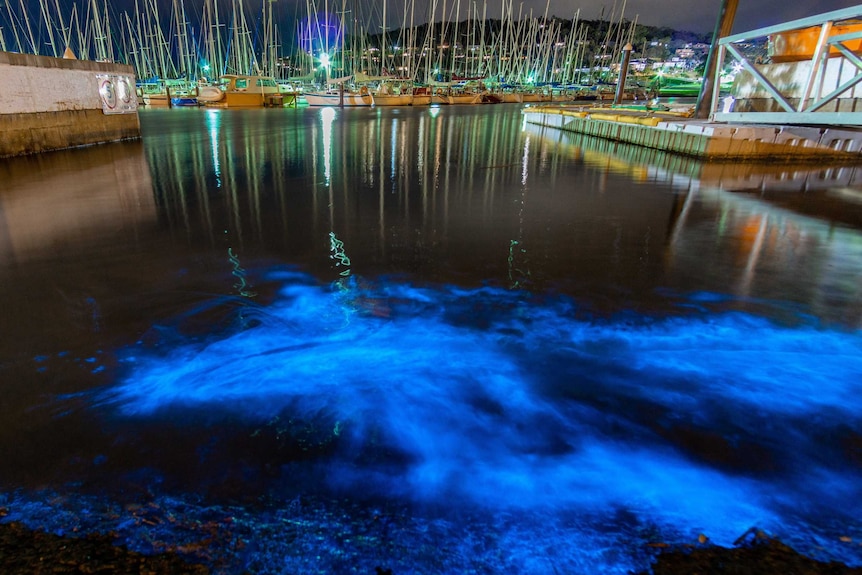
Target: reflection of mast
x=519 y=268
x=678 y=215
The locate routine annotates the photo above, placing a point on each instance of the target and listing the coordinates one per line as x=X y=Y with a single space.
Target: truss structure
x=821 y=88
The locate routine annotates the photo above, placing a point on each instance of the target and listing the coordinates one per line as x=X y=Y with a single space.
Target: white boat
x=242 y=91
x=347 y=98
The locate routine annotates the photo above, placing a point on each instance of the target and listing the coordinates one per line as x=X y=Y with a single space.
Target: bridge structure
x=811 y=75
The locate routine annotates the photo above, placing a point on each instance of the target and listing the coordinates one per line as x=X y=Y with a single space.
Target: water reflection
x=425 y=181
x=777 y=232
x=92 y=194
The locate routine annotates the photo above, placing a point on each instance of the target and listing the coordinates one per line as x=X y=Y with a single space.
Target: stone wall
x=51 y=103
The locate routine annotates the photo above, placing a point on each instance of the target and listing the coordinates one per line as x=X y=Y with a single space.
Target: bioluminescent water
x=474 y=346
x=701 y=422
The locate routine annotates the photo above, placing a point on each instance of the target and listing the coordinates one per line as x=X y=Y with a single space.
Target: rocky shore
x=25 y=551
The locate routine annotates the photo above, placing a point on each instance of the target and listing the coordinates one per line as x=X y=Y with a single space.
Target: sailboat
x=338 y=94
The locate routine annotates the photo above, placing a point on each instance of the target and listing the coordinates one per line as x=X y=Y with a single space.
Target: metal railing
x=814 y=94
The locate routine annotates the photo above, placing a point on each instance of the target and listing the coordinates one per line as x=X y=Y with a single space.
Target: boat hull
x=456 y=99
x=180 y=101
x=393 y=99
x=350 y=99
x=156 y=100
x=210 y=95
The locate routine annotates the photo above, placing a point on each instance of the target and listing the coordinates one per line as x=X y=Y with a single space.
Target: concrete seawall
x=51 y=103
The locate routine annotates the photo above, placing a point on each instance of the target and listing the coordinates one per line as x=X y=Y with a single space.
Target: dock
x=672 y=131
x=801 y=104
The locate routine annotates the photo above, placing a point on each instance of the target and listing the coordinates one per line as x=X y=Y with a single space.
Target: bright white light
x=324 y=60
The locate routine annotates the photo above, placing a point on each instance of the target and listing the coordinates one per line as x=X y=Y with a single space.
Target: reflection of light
x=420 y=153
x=213 y=121
x=524 y=161
x=434 y=111
x=393 y=163
x=327 y=115
x=336 y=247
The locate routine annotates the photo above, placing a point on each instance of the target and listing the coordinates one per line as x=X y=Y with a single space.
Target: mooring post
x=711 y=73
x=624 y=70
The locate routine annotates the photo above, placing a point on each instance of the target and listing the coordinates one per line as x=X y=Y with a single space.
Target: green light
x=239 y=273
x=337 y=248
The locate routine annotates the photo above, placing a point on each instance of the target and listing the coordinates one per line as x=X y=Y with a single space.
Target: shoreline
x=28 y=550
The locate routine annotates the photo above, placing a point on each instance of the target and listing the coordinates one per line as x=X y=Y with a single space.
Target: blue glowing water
x=696 y=423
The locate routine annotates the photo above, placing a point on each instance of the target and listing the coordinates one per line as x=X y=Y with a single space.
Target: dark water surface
x=431 y=340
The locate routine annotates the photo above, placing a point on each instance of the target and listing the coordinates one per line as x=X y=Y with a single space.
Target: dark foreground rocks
x=27 y=552
x=755 y=553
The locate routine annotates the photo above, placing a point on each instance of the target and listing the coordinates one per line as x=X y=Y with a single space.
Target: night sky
x=690 y=15
x=700 y=15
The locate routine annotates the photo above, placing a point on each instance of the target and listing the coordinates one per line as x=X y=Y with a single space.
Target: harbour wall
x=51 y=103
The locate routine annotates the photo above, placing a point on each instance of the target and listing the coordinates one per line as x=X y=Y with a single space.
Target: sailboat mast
x=218 y=55
x=33 y=44
x=43 y=7
x=14 y=28
x=65 y=30
x=109 y=44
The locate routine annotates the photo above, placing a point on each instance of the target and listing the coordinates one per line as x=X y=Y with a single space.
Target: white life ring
x=108 y=93
x=124 y=90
